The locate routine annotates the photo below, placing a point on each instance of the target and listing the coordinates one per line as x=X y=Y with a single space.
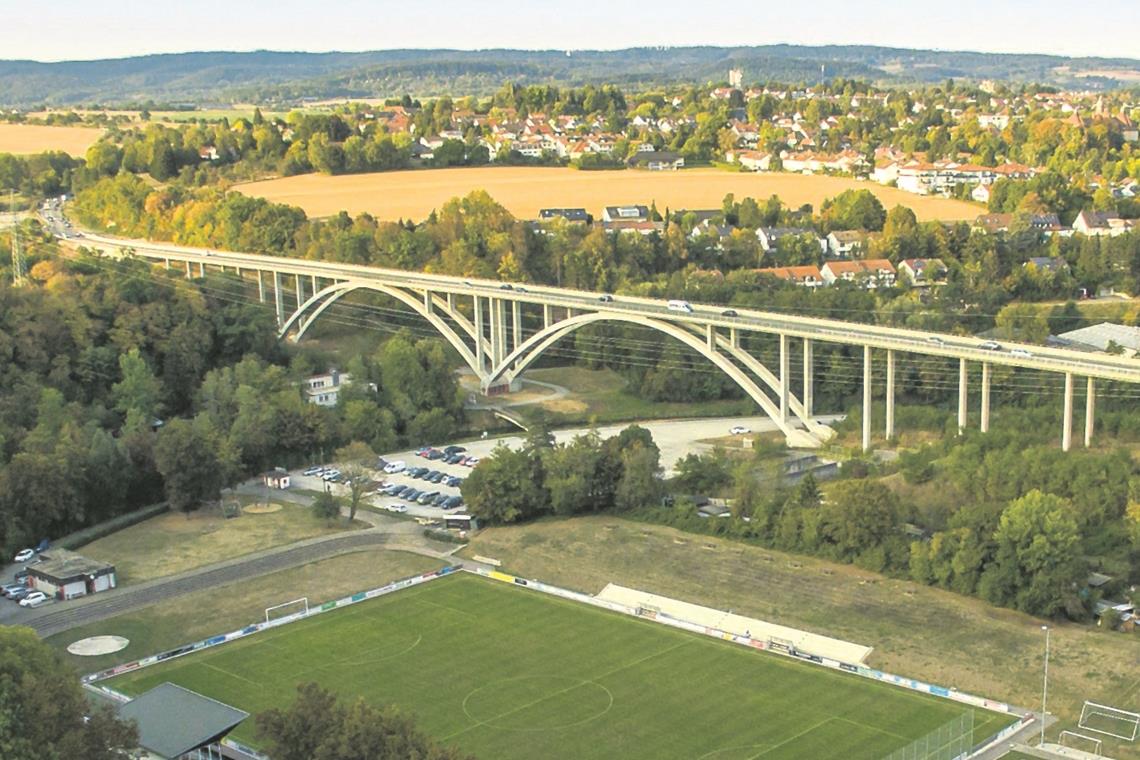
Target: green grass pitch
x=506 y=673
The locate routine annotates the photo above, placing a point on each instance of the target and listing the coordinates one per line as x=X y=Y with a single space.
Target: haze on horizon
x=68 y=30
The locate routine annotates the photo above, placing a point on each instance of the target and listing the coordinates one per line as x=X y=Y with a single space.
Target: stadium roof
x=173 y=721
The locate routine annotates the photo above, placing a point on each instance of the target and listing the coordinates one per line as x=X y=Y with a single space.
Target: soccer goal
x=287 y=609
x=1081 y=742
x=1110 y=721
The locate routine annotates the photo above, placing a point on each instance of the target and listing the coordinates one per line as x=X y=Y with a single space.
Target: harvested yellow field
x=524 y=190
x=22 y=139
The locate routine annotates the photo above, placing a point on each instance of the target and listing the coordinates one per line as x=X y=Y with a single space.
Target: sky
x=86 y=29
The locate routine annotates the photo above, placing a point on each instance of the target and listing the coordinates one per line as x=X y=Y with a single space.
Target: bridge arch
x=329 y=295
x=529 y=350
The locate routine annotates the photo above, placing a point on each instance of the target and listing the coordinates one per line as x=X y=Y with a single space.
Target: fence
x=950 y=741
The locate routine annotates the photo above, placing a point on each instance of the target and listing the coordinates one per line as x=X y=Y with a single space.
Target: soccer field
x=503 y=672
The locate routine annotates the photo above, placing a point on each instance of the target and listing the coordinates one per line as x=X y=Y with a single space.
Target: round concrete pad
x=97 y=645
x=261 y=509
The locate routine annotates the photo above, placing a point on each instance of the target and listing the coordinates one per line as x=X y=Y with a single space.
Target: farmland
x=23 y=139
x=507 y=673
x=525 y=190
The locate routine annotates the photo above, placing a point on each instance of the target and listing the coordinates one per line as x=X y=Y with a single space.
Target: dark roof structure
x=173 y=721
x=61 y=566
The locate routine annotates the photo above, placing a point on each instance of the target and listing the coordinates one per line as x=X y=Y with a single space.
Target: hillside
x=261 y=76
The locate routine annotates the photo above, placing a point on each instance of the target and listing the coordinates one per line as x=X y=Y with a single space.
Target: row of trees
x=586 y=474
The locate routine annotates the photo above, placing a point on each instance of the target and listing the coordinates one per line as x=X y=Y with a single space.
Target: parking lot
x=409 y=464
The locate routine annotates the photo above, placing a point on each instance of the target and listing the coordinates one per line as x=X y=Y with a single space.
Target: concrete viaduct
x=483 y=321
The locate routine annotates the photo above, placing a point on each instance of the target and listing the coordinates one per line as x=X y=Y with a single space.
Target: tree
x=640 y=483
x=1038 y=565
x=43 y=710
x=317 y=727
x=186 y=455
x=139 y=390
x=702 y=474
x=326 y=506
x=505 y=487
x=354 y=459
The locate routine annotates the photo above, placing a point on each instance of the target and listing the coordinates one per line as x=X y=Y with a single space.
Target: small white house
x=277 y=478
x=64 y=574
x=323 y=390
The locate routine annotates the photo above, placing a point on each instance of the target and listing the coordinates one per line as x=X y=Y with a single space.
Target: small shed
x=276 y=478
x=174 y=722
x=64 y=574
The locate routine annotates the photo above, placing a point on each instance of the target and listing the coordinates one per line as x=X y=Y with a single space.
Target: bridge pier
x=316 y=285
x=201 y=269
x=1090 y=411
x=188 y=274
x=890 y=426
x=260 y=287
x=300 y=290
x=809 y=378
x=710 y=337
x=963 y=389
x=1067 y=422
x=481 y=367
x=785 y=372
x=734 y=337
x=866 y=398
x=516 y=324
x=985 y=397
x=278 y=299
x=547 y=317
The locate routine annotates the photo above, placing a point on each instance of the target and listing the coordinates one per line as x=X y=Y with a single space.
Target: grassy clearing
x=205 y=613
x=173 y=543
x=525 y=190
x=916 y=630
x=507 y=673
x=23 y=139
x=604 y=396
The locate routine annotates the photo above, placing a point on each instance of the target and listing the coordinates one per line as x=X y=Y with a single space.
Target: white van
x=684 y=306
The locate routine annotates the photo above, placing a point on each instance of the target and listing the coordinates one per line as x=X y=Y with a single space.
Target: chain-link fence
x=950 y=741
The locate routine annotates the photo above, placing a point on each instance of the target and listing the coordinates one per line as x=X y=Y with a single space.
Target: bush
x=114 y=525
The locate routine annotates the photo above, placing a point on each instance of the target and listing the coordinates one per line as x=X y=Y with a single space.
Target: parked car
x=739 y=430
x=381 y=463
x=34 y=599
x=411 y=494
x=397 y=508
x=435 y=454
x=454 y=449
x=394 y=467
x=19 y=593
x=331 y=475
x=437 y=477
x=313 y=471
x=25 y=554
x=11 y=588
x=396 y=490
x=471 y=462
x=428 y=497
x=439 y=500
x=454 y=481
x=452 y=502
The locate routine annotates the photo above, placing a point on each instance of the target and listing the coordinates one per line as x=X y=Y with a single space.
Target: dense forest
x=267 y=75
x=114 y=375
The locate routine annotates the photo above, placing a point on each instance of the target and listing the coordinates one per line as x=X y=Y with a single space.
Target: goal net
x=287 y=610
x=1110 y=721
x=949 y=741
x=1080 y=741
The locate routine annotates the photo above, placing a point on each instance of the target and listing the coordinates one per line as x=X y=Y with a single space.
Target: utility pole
x=1045 y=687
x=17 y=255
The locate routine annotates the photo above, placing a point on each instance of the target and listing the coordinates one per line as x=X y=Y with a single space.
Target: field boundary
x=91 y=680
x=1025 y=717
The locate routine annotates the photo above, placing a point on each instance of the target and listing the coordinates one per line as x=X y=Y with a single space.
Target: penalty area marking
x=93 y=646
x=574 y=683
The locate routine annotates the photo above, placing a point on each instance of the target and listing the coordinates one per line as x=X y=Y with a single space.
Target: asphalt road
x=61 y=616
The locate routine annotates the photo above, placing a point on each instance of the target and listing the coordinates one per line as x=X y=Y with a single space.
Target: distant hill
x=284 y=76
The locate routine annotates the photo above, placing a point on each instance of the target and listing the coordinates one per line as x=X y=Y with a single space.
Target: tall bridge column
x=784 y=377
x=866 y=398
x=201 y=269
x=479 y=336
x=963 y=389
x=809 y=378
x=890 y=427
x=1090 y=411
x=188 y=274
x=278 y=299
x=547 y=317
x=300 y=290
x=1067 y=422
x=985 y=397
x=260 y=287
x=316 y=284
x=516 y=324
